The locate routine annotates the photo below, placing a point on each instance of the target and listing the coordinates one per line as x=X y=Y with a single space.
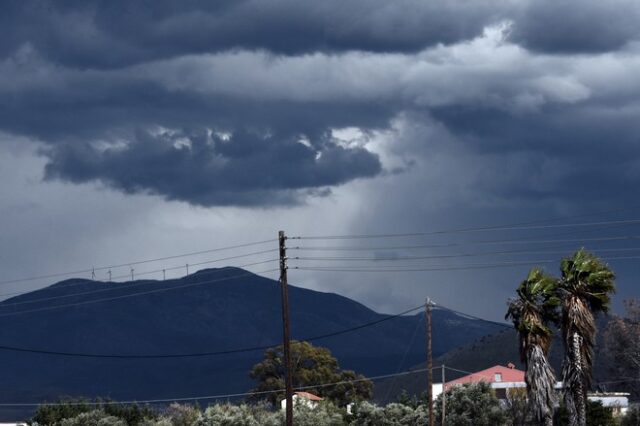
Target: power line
x=219 y=396
x=139 y=262
x=464 y=230
x=498 y=323
x=413 y=268
x=202 y=354
x=492 y=242
x=447 y=256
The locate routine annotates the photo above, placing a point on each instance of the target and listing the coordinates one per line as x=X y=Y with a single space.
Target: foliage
x=312 y=366
x=182 y=415
x=93 y=418
x=471 y=405
x=518 y=409
x=235 y=415
x=68 y=408
x=585 y=287
x=258 y=415
x=632 y=418
x=622 y=338
x=394 y=414
x=412 y=401
x=52 y=414
x=531 y=314
x=597 y=415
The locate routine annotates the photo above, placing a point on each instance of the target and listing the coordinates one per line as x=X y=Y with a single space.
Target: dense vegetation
x=467 y=405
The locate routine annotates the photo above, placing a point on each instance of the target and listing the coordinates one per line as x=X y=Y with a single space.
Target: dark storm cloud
x=576 y=26
x=116 y=33
x=138 y=95
x=206 y=169
x=111 y=34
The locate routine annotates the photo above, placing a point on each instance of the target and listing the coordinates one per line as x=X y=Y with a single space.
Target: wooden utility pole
x=285 y=328
x=427 y=313
x=444 y=397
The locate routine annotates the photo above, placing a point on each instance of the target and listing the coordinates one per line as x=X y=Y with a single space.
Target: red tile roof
x=489 y=375
x=309 y=396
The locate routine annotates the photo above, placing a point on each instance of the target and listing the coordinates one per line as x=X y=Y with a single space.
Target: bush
x=632 y=418
x=93 y=418
x=54 y=414
x=181 y=415
x=394 y=414
x=471 y=405
x=597 y=415
x=236 y=415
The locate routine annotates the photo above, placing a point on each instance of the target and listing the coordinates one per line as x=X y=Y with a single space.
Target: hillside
x=232 y=309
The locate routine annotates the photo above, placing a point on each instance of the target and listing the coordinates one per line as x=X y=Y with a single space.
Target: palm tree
x=585 y=289
x=535 y=307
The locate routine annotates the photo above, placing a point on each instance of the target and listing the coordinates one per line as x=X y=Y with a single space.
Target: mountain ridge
x=212 y=310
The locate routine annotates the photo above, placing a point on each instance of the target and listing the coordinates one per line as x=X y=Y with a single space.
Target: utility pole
x=444 y=397
x=427 y=313
x=285 y=328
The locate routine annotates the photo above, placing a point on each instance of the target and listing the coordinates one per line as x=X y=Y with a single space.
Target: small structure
x=305 y=398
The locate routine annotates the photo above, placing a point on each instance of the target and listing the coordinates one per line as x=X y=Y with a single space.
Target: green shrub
x=93 y=418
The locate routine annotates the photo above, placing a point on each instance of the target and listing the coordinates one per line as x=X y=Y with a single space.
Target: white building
x=306 y=398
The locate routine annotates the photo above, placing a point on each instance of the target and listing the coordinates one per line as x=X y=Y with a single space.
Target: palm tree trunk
x=578 y=390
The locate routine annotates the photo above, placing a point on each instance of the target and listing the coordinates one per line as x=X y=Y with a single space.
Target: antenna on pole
x=93 y=273
x=132 y=274
x=109 y=275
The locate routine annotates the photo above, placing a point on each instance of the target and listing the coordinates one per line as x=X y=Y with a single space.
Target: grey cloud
x=576 y=26
x=205 y=169
x=115 y=33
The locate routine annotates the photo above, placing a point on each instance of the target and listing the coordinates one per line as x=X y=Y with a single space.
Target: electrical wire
x=465 y=230
x=412 y=268
x=492 y=242
x=138 y=262
x=498 y=323
x=220 y=396
x=448 y=256
x=203 y=354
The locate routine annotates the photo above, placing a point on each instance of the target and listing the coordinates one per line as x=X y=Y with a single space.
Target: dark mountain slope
x=212 y=310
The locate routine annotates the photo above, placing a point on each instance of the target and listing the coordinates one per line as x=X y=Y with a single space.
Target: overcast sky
x=135 y=130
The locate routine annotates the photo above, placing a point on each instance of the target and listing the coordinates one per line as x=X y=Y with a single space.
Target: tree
x=472 y=404
x=531 y=313
x=68 y=408
x=312 y=368
x=585 y=288
x=632 y=418
x=596 y=415
x=518 y=408
x=622 y=336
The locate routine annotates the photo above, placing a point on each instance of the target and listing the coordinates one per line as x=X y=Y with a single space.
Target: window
x=498 y=377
